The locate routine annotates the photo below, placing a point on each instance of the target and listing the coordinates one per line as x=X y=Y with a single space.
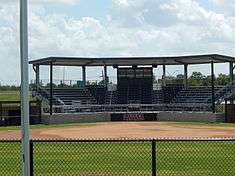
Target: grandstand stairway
x=111 y=97
x=158 y=97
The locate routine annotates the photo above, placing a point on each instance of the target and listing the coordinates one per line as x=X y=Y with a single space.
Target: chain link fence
x=214 y=157
x=195 y=158
x=10 y=158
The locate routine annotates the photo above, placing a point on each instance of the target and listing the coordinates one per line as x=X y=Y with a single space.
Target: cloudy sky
x=116 y=28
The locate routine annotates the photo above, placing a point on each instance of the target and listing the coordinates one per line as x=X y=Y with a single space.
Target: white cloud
x=135 y=27
x=138 y=14
x=69 y=2
x=225 y=6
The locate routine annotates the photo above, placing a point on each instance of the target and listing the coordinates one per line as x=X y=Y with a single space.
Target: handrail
x=47 y=93
x=229 y=89
x=141 y=107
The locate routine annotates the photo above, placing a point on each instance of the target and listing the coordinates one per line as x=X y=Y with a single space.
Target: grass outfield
x=132 y=158
x=11 y=96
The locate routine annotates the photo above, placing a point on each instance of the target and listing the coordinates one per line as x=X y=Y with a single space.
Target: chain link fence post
x=31 y=157
x=154 y=169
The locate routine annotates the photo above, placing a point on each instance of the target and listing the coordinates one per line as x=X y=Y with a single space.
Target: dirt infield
x=126 y=130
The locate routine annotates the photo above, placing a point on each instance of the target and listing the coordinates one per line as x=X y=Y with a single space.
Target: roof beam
x=88 y=63
x=176 y=60
x=215 y=58
x=180 y=62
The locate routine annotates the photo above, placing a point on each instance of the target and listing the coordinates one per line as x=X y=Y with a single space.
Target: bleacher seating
x=158 y=97
x=98 y=92
x=199 y=94
x=44 y=94
x=168 y=98
x=111 y=97
x=163 y=96
x=70 y=96
x=166 y=94
x=170 y=91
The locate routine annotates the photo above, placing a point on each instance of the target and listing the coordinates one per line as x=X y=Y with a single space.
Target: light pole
x=24 y=86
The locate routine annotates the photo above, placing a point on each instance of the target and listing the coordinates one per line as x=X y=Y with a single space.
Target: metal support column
x=231 y=101
x=84 y=76
x=31 y=158
x=231 y=71
x=226 y=110
x=37 y=77
x=186 y=75
x=212 y=86
x=231 y=68
x=154 y=162
x=24 y=87
x=1 y=111
x=105 y=76
x=51 y=88
x=164 y=75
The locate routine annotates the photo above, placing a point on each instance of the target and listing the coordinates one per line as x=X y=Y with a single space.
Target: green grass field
x=132 y=158
x=11 y=96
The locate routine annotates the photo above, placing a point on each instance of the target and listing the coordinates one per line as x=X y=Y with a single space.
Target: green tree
x=196 y=79
x=207 y=81
x=222 y=79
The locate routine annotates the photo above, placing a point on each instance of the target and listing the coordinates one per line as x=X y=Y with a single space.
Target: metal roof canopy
x=128 y=61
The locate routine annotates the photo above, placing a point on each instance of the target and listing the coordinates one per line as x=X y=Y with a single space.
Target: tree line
x=196 y=79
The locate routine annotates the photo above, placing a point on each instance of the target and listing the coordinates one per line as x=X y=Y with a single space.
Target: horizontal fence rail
x=129 y=108
x=155 y=157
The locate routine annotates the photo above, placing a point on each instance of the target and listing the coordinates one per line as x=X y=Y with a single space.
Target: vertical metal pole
x=231 y=101
x=39 y=110
x=213 y=86
x=31 y=158
x=186 y=75
x=1 y=112
x=164 y=75
x=231 y=76
x=84 y=76
x=154 y=169
x=1 y=109
x=37 y=77
x=51 y=88
x=105 y=76
x=231 y=71
x=24 y=86
x=226 y=110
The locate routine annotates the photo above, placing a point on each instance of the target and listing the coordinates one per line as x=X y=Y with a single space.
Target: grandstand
x=134 y=89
